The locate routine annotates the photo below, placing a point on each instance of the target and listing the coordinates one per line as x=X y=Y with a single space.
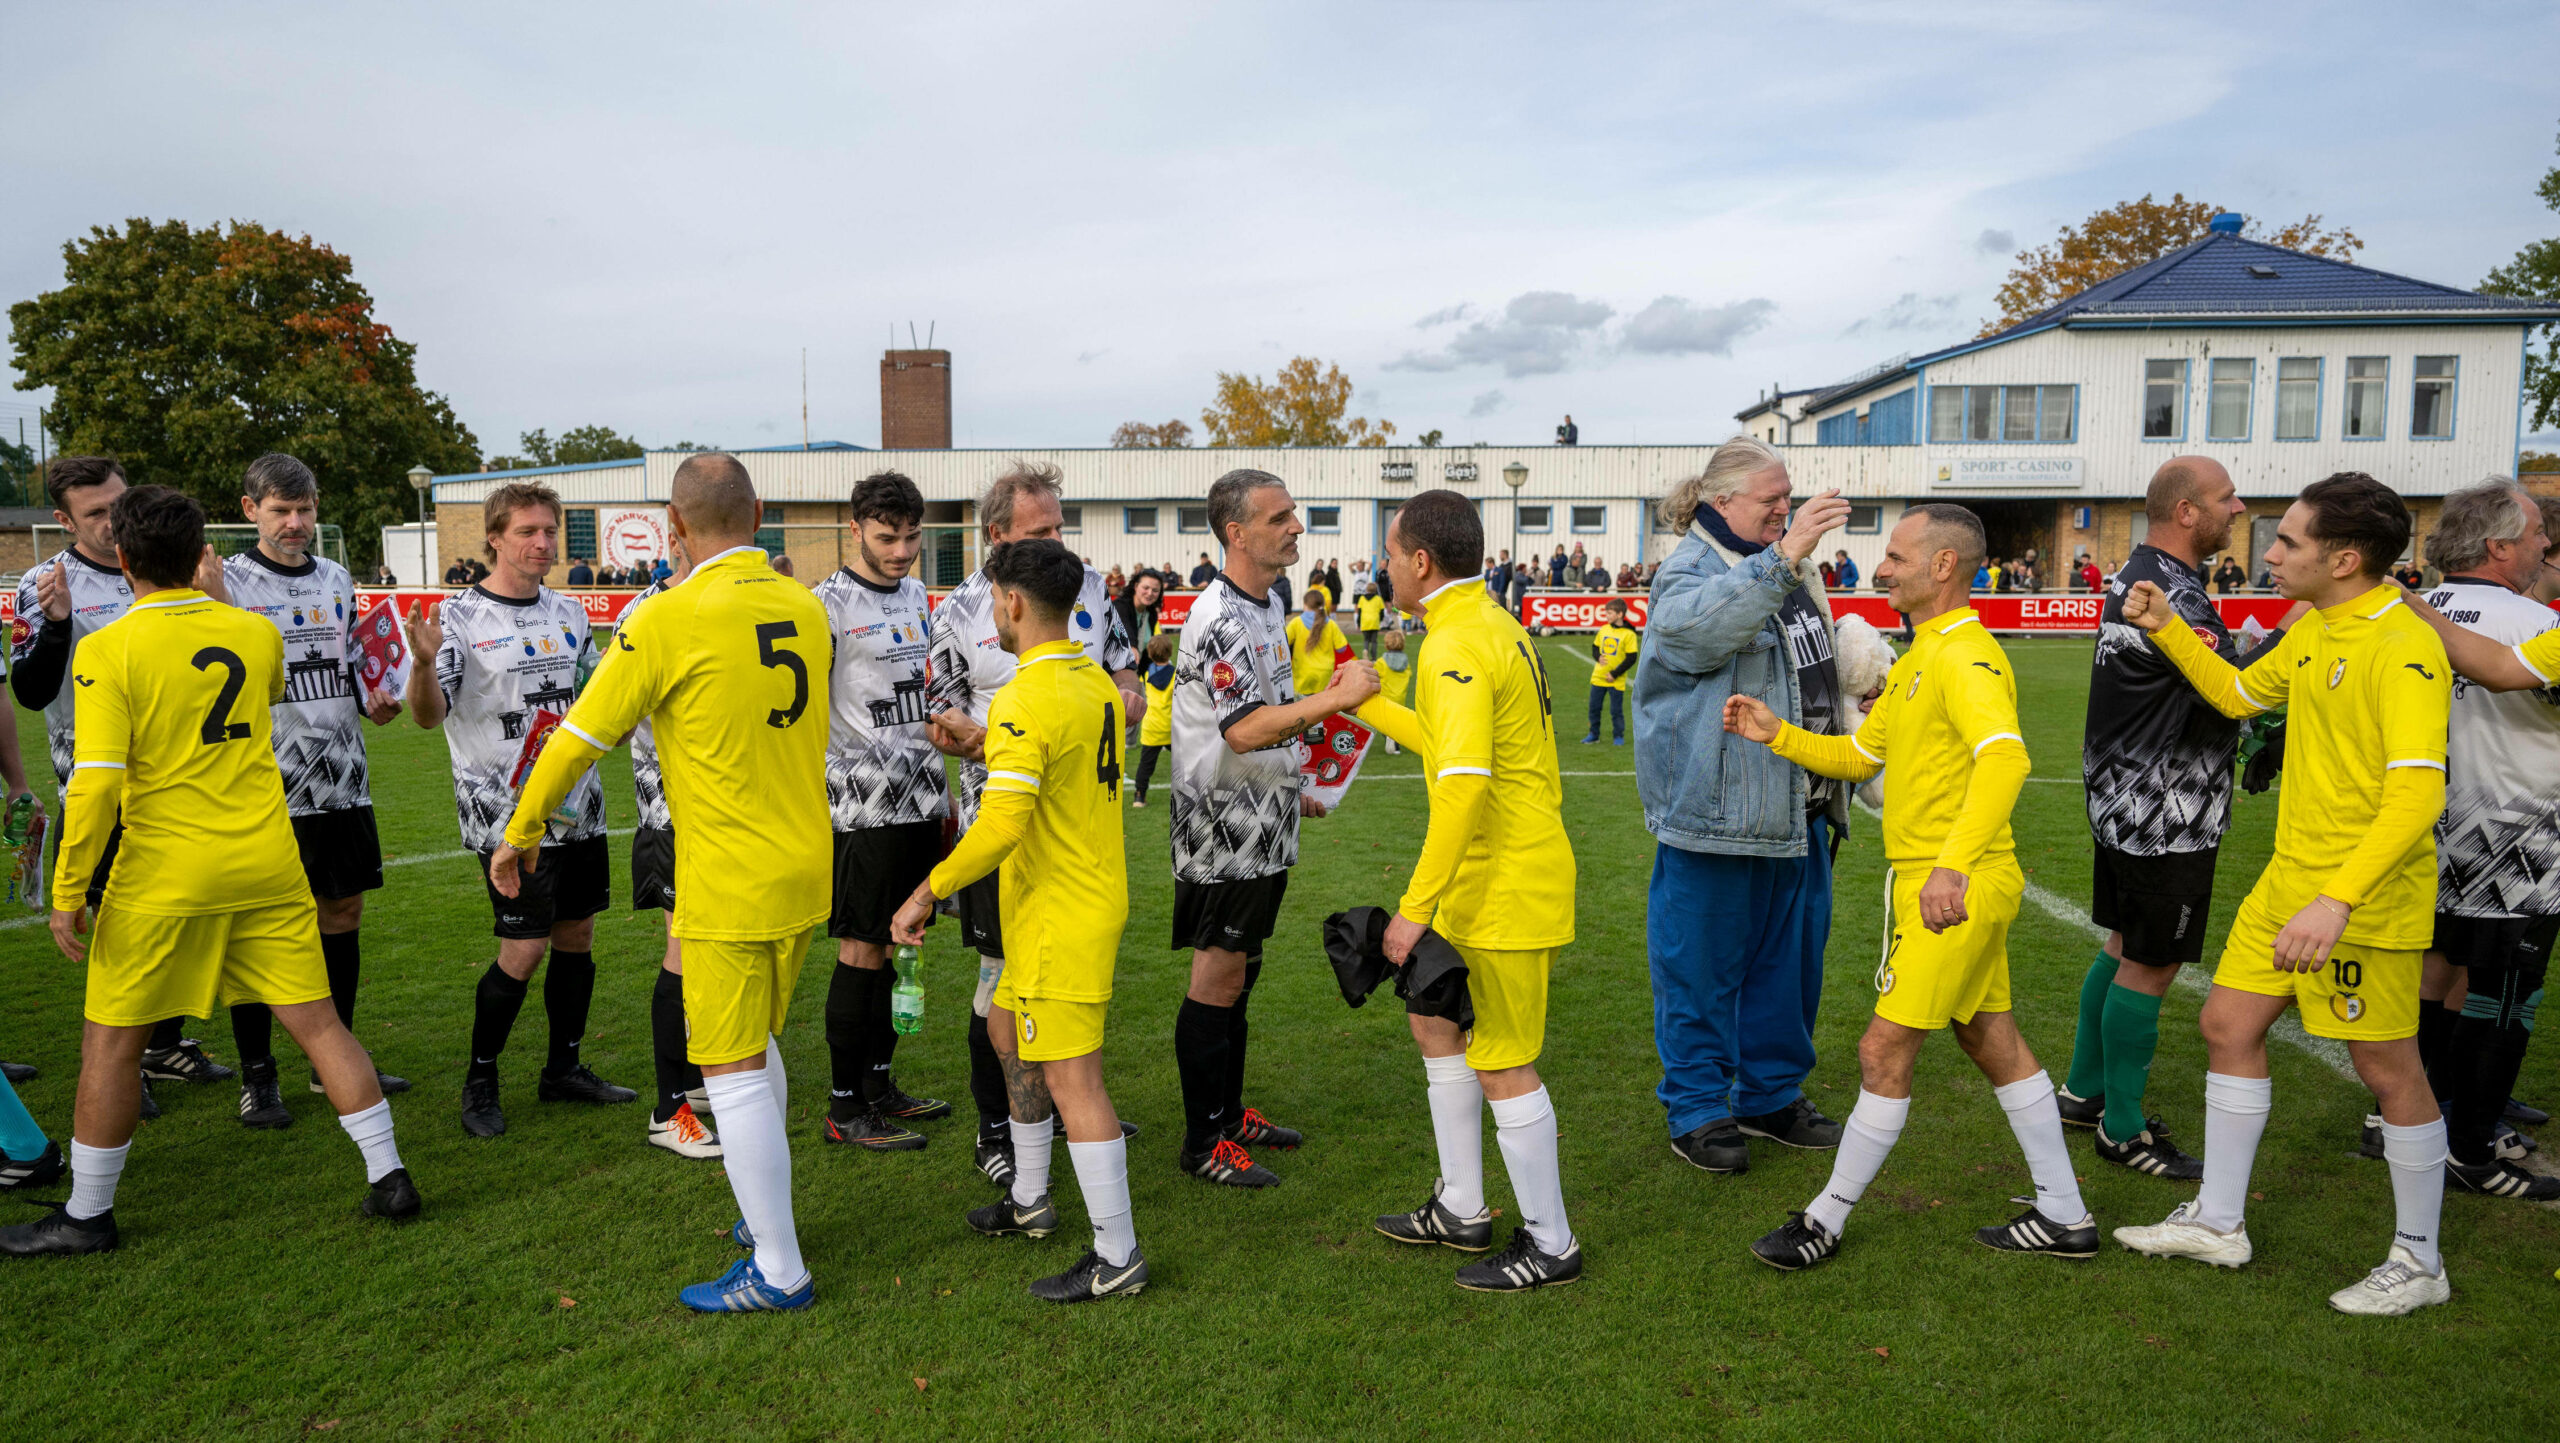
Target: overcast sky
x=1488 y=214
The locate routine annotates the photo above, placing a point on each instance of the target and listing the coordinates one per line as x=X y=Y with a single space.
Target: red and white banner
x=2057 y=614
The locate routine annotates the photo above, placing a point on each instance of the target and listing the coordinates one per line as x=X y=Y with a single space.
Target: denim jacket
x=1711 y=630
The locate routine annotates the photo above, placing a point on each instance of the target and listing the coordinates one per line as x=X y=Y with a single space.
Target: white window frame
x=2451 y=381
x=1129 y=520
x=1182 y=520
x=2248 y=384
x=1071 y=516
x=1872 y=525
x=1323 y=527
x=1545 y=512
x=2319 y=396
x=1598 y=528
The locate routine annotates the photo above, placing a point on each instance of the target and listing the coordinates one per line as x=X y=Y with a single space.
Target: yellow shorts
x=1509 y=990
x=736 y=994
x=1045 y=1030
x=144 y=966
x=2365 y=994
x=1929 y=979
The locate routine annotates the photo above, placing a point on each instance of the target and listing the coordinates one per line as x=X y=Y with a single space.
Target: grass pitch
x=536 y=1299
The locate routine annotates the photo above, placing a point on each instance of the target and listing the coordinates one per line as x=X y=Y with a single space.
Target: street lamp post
x=1515 y=476
x=421 y=478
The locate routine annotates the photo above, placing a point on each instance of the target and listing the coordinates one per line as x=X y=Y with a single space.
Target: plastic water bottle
x=13 y=831
x=906 y=1000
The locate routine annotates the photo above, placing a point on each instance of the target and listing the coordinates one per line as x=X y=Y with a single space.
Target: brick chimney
x=915 y=400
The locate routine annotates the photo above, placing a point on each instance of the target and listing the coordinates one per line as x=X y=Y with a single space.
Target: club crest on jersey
x=1084 y=618
x=1030 y=1029
x=2345 y=1006
x=2337 y=672
x=297 y=616
x=1222 y=675
x=1915 y=687
x=19 y=631
x=2211 y=641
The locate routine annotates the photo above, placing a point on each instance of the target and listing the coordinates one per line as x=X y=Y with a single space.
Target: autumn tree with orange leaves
x=2117 y=239
x=188 y=353
x=1304 y=405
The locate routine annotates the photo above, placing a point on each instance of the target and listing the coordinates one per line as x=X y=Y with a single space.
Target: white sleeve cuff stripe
x=1024 y=778
x=1862 y=751
x=1998 y=737
x=103 y=766
x=582 y=736
x=1463 y=772
x=2244 y=693
x=2433 y=765
x=2529 y=666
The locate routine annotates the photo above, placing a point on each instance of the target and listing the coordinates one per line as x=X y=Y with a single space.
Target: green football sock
x=2133 y=1035
x=2089 y=1047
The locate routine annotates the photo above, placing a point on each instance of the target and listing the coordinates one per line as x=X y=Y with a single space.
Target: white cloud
x=1911 y=311
x=1446 y=315
x=1537 y=334
x=1995 y=243
x=1673 y=326
x=1484 y=405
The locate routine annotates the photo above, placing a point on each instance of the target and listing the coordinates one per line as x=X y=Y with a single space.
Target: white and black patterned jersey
x=319 y=726
x=40 y=649
x=648 y=791
x=969 y=664
x=1235 y=817
x=501 y=662
x=881 y=768
x=2156 y=756
x=2498 y=843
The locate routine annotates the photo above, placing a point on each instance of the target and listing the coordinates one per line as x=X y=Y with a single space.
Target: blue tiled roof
x=2220 y=277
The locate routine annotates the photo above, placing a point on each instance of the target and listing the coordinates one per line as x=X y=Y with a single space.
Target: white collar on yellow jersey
x=1425 y=603
x=725 y=555
x=1969 y=618
x=169 y=596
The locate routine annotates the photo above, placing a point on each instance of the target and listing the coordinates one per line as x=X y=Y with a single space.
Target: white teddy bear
x=1863 y=657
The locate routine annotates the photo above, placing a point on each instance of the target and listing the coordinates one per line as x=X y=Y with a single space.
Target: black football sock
x=1237 y=1031
x=676 y=1076
x=568 y=990
x=493 y=1015
x=986 y=1082
x=253 y=1031
x=341 y=953
x=881 y=1034
x=2435 y=1026
x=2483 y=1055
x=168 y=1032
x=1200 y=1054
x=848 y=1038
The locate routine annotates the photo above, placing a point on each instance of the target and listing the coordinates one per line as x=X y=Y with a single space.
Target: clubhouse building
x=2283 y=366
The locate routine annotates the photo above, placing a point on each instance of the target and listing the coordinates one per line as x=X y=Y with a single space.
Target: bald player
x=731 y=671
x=2157 y=758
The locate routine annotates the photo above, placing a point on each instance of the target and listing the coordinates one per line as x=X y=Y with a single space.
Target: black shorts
x=2516 y=943
x=878 y=868
x=106 y=864
x=981 y=917
x=653 y=869
x=1229 y=916
x=571 y=882
x=2158 y=903
x=341 y=852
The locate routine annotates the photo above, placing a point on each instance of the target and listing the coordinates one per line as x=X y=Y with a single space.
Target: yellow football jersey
x=1155 y=729
x=1611 y=645
x=1312 y=656
x=731 y=671
x=2541 y=656
x=171 y=715
x=1050 y=818
x=2366 y=689
x=1947 y=702
x=1373 y=612
x=1482 y=709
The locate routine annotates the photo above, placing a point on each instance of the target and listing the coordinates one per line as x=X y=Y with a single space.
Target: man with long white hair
x=1740 y=905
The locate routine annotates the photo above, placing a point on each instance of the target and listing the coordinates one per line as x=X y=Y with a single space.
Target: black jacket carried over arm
x=1433 y=981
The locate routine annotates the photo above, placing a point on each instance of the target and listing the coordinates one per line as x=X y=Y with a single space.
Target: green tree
x=2117 y=239
x=1138 y=435
x=1303 y=406
x=577 y=446
x=188 y=353
x=2536 y=272
x=18 y=479
x=1428 y=438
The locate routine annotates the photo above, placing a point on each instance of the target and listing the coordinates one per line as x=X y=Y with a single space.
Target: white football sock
x=94 y=1171
x=1102 y=1174
x=757 y=1153
x=1874 y=1125
x=2417 y=1157
x=1525 y=1128
x=1031 y=1159
x=2036 y=1118
x=2235 y=1117
x=1457 y=1125
x=371 y=1130
x=778 y=1080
